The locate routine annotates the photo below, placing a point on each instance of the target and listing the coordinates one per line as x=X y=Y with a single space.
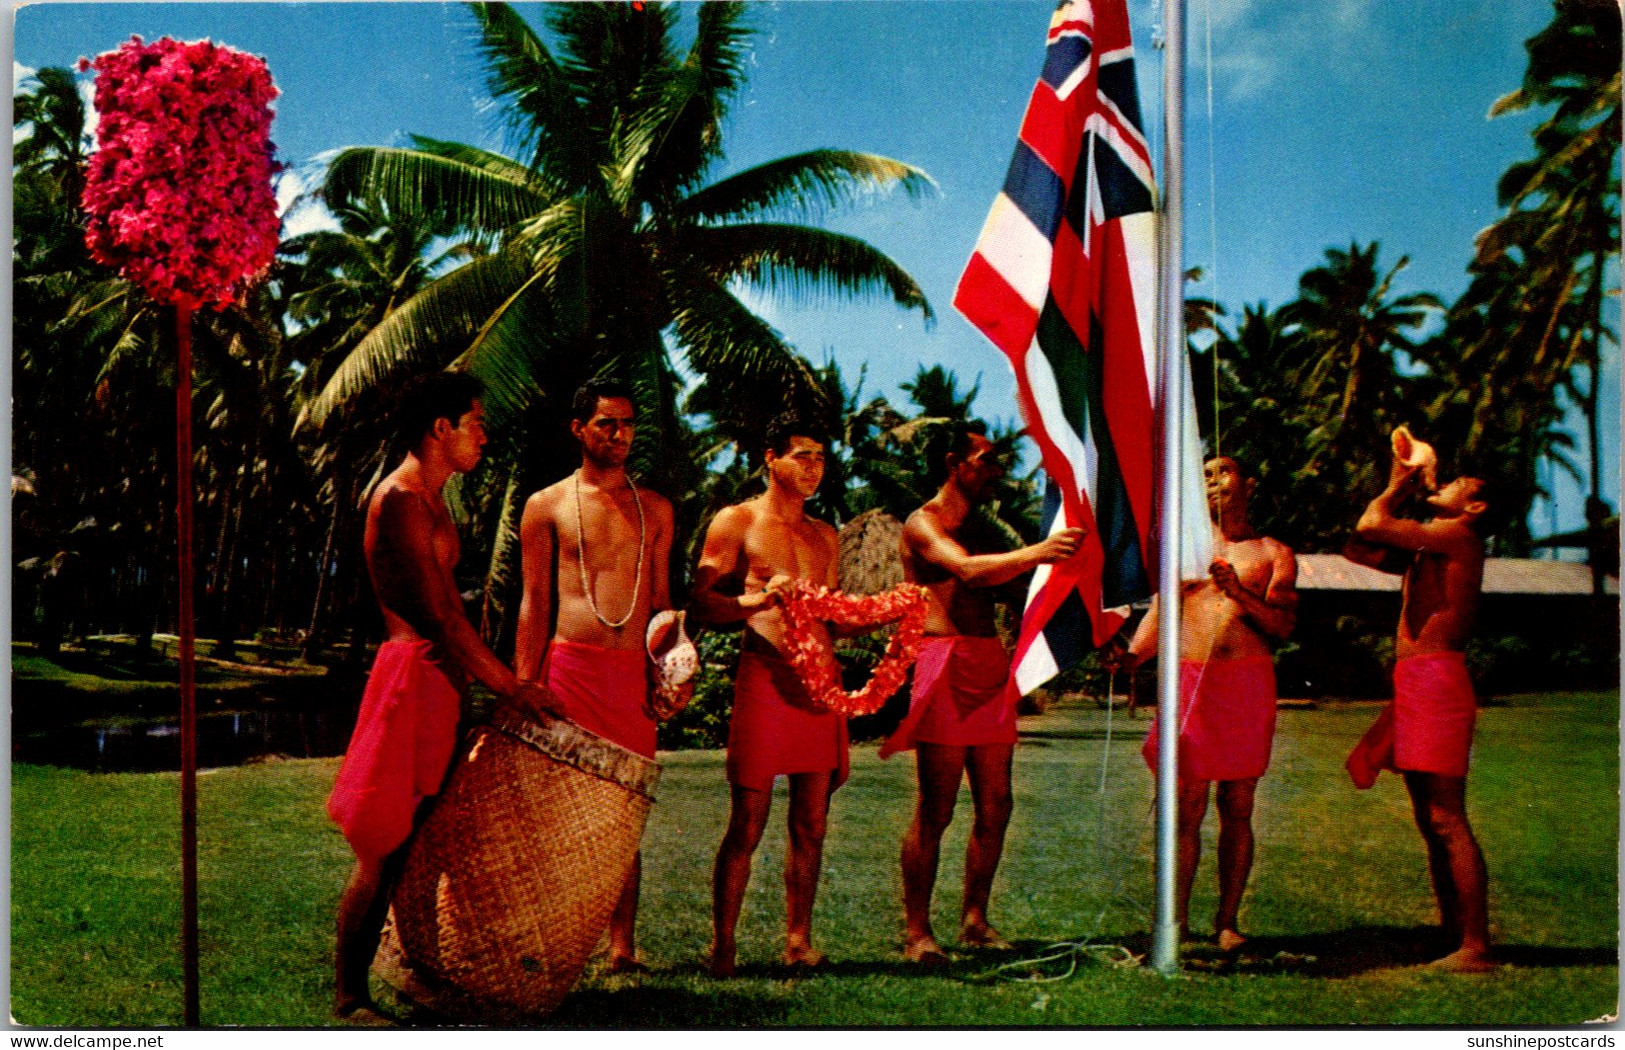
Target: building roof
x=1333 y=572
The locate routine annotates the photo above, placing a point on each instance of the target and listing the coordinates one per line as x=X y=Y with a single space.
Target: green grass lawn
x=1339 y=904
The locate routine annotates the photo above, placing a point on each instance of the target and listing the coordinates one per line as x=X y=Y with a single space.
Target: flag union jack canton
x=1063 y=281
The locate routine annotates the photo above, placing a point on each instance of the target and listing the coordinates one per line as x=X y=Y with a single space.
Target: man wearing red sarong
x=1227 y=689
x=752 y=551
x=406 y=730
x=596 y=551
x=962 y=714
x=1426 y=733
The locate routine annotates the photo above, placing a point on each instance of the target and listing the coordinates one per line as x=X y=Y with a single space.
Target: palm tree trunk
x=318 y=622
x=1596 y=509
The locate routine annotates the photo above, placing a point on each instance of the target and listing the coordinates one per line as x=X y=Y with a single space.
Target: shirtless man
x=1227 y=688
x=596 y=552
x=962 y=713
x=407 y=726
x=1427 y=731
x=752 y=551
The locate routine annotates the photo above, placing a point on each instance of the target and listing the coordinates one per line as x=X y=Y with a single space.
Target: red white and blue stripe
x=1063 y=281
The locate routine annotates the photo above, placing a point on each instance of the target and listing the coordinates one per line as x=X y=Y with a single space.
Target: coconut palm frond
x=511 y=351
x=806 y=185
x=545 y=121
x=804 y=263
x=415 y=182
x=426 y=332
x=674 y=137
x=731 y=346
x=495 y=163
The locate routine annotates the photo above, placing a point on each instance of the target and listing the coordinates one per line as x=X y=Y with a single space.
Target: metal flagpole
x=1171 y=358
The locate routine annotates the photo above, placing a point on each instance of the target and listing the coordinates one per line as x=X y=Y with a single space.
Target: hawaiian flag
x=1063 y=281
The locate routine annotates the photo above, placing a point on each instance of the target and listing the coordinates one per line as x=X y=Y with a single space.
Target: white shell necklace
x=581 y=557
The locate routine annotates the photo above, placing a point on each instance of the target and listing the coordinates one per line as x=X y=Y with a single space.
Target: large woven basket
x=513 y=878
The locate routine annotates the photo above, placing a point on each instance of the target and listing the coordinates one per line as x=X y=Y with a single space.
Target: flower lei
x=178 y=191
x=807 y=605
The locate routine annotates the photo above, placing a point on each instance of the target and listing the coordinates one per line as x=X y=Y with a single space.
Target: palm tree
x=607 y=240
x=1350 y=330
x=340 y=284
x=84 y=378
x=1562 y=225
x=609 y=248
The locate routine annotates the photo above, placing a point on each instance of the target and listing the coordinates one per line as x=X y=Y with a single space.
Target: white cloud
x=301 y=212
x=87 y=92
x=1256 y=44
x=19 y=74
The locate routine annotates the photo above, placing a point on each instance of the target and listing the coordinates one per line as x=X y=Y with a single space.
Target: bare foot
x=803 y=957
x=722 y=961
x=1230 y=941
x=981 y=935
x=363 y=1015
x=925 y=951
x=1464 y=960
x=624 y=964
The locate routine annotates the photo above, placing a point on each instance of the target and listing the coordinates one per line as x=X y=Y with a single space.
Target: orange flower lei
x=807 y=605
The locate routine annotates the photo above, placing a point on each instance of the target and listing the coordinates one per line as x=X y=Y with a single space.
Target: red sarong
x=961 y=696
x=775 y=727
x=403 y=741
x=1227 y=719
x=604 y=691
x=1429 y=726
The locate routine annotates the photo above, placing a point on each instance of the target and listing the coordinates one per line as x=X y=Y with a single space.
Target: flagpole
x=1170 y=347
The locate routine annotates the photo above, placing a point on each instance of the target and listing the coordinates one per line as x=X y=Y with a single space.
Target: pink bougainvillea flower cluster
x=807 y=607
x=179 y=191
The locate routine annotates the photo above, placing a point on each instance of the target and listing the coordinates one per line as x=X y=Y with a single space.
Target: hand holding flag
x=1063 y=281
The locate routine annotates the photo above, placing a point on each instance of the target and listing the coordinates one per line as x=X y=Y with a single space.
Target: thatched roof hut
x=871 y=558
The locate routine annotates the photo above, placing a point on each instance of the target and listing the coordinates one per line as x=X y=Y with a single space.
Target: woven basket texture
x=513 y=878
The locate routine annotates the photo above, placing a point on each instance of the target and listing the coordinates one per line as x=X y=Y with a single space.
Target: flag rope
x=1212 y=215
x=1116 y=956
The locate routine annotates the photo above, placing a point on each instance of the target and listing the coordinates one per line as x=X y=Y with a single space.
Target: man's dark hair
x=787 y=425
x=431 y=396
x=947 y=439
x=585 y=401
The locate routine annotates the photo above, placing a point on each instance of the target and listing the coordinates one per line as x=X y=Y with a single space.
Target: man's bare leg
x=989 y=767
x=1444 y=887
x=1235 y=805
x=804 y=859
x=1441 y=806
x=623 y=943
x=940 y=767
x=362 y=910
x=746 y=821
x=1192 y=809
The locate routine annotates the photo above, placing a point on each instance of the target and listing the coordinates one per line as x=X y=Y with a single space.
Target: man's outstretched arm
x=931 y=543
x=1391 y=560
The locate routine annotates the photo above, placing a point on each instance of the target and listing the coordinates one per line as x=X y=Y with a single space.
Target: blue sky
x=1333 y=121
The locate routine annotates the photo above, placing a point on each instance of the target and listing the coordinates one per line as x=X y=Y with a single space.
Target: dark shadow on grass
x=1040 y=737
x=1337 y=954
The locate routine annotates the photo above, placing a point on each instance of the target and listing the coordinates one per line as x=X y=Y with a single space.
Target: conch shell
x=676 y=662
x=1414 y=453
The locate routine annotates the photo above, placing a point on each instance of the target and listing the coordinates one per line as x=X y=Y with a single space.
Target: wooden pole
x=183 y=516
